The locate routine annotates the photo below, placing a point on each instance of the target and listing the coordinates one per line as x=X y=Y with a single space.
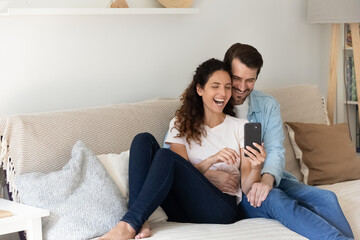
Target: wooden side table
x=25 y=218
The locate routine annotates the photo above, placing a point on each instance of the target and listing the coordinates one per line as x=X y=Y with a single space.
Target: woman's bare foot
x=145 y=231
x=122 y=231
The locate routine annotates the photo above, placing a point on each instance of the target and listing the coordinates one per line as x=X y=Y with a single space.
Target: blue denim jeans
x=320 y=201
x=312 y=212
x=160 y=177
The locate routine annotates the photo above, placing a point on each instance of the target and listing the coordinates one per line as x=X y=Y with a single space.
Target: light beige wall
x=61 y=62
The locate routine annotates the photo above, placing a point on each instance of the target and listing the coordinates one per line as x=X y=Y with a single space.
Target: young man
x=245 y=63
x=312 y=212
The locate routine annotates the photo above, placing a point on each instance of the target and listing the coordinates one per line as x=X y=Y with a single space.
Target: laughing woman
x=203 y=135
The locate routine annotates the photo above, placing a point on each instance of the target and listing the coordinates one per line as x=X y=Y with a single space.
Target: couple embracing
x=204 y=176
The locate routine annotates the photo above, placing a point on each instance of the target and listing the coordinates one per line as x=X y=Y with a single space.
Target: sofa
x=42 y=142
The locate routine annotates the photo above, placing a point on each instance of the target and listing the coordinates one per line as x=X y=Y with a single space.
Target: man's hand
x=260 y=190
x=226 y=182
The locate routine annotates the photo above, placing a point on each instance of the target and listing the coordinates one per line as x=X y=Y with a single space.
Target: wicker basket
x=176 y=3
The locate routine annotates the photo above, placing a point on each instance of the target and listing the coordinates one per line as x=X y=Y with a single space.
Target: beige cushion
x=247 y=229
x=326 y=153
x=348 y=194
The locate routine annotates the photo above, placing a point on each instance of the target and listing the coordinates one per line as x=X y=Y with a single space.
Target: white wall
x=62 y=62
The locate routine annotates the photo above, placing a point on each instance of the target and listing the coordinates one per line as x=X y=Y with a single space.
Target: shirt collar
x=253 y=102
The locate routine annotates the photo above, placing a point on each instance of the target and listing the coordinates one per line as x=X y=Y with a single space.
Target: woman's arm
x=226 y=155
x=224 y=181
x=179 y=149
x=251 y=167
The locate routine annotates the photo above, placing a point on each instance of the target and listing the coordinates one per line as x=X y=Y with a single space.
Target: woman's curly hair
x=190 y=116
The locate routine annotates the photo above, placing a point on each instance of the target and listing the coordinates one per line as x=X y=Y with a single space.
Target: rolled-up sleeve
x=274 y=143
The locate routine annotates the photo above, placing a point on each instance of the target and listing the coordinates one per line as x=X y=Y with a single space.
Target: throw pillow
x=77 y=210
x=117 y=165
x=326 y=152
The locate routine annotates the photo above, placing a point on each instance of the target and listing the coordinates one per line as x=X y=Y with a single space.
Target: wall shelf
x=351 y=102
x=96 y=11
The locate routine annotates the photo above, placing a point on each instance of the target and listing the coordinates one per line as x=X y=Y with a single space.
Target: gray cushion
x=77 y=210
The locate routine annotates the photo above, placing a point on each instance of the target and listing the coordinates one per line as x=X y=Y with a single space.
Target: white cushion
x=117 y=165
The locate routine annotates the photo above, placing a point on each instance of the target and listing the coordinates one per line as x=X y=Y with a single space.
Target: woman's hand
x=256 y=158
x=226 y=155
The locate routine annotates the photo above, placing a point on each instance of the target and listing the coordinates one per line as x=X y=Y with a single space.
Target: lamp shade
x=334 y=11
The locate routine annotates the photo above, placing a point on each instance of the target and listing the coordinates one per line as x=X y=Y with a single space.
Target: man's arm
x=274 y=144
x=274 y=165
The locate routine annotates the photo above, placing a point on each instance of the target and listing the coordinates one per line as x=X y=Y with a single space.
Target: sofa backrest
x=302 y=103
x=43 y=142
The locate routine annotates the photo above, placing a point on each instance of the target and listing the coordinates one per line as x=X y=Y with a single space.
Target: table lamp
x=337 y=12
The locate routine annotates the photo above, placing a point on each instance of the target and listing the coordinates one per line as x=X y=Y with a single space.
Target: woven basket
x=119 y=4
x=176 y=3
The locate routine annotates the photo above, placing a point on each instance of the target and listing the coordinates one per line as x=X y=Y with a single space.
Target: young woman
x=203 y=135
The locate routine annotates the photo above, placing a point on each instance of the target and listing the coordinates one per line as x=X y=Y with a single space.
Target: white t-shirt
x=242 y=110
x=230 y=134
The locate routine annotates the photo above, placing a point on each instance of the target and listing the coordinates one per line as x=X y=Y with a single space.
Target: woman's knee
x=144 y=137
x=169 y=157
x=164 y=153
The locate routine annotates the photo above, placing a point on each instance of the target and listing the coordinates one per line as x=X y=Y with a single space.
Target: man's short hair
x=247 y=54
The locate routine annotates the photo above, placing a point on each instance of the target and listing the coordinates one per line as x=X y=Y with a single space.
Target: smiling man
x=245 y=63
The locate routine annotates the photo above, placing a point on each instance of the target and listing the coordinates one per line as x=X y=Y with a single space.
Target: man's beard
x=238 y=100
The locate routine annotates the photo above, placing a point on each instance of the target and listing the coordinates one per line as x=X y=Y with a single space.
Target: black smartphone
x=252 y=133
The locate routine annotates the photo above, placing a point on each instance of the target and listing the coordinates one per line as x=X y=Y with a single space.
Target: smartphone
x=252 y=134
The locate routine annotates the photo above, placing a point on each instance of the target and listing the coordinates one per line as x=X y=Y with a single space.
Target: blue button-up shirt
x=265 y=109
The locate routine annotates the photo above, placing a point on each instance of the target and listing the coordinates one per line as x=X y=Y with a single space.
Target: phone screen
x=252 y=133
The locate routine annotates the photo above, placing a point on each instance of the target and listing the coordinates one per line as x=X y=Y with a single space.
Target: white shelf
x=96 y=11
x=351 y=102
